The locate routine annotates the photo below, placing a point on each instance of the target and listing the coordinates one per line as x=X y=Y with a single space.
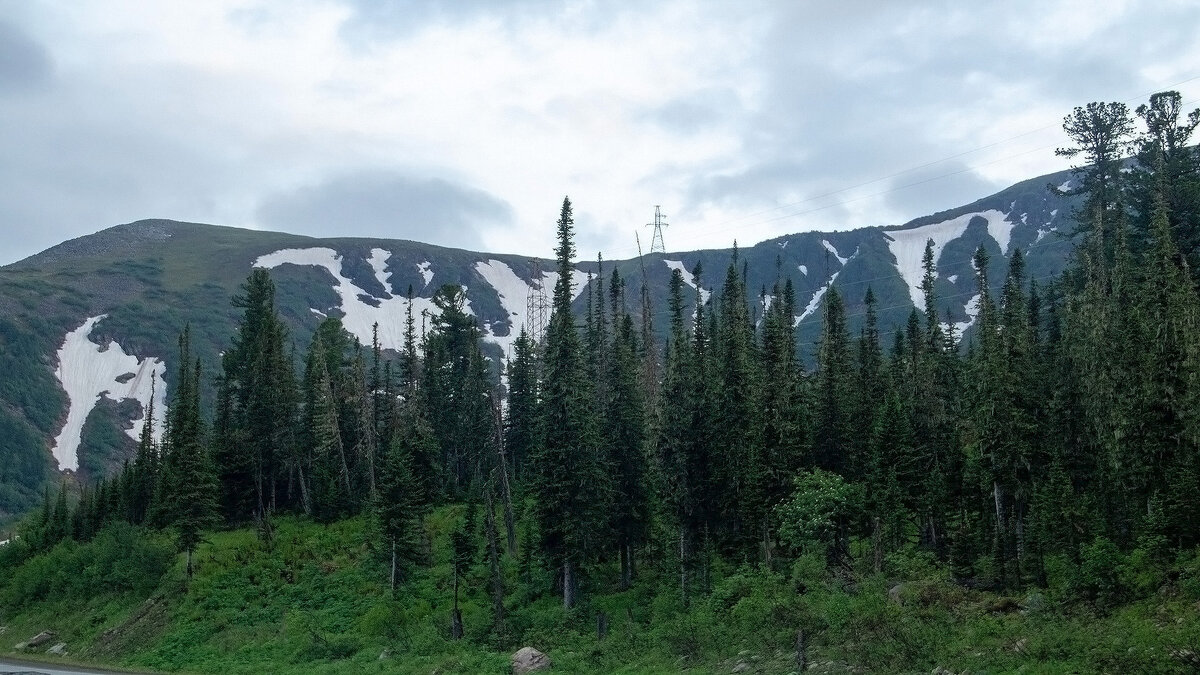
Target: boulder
x=385 y=655
x=741 y=667
x=38 y=640
x=528 y=660
x=59 y=649
x=895 y=594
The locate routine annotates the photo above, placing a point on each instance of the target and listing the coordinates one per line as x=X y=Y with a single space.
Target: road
x=11 y=667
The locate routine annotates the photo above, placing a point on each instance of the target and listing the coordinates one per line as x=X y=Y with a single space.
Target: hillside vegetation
x=1024 y=496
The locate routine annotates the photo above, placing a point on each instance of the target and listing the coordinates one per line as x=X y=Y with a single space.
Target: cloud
x=381 y=203
x=932 y=188
x=24 y=63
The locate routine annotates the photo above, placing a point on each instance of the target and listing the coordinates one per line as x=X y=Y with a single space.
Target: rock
x=895 y=594
x=1021 y=646
x=741 y=667
x=1034 y=603
x=39 y=639
x=59 y=649
x=385 y=655
x=528 y=660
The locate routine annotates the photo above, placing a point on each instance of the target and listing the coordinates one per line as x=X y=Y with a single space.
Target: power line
x=736 y=220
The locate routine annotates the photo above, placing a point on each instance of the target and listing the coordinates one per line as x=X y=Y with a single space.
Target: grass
x=316 y=602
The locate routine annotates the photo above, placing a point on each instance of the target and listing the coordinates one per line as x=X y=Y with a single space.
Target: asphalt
x=17 y=667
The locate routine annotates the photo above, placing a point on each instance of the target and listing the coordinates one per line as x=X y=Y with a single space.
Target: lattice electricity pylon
x=537 y=306
x=660 y=221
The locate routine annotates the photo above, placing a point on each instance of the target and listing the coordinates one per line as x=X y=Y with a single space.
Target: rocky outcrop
x=529 y=660
x=37 y=640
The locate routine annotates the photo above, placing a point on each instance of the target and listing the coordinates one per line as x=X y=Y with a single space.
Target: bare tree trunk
x=305 y=498
x=510 y=528
x=456 y=626
x=766 y=540
x=683 y=594
x=877 y=545
x=494 y=562
x=393 y=566
x=568 y=585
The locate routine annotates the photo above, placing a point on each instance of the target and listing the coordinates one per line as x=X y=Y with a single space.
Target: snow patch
x=1053 y=213
x=514 y=293
x=88 y=371
x=972 y=310
x=1066 y=185
x=829 y=247
x=360 y=317
x=687 y=279
x=952 y=278
x=784 y=243
x=815 y=302
x=816 y=299
x=426 y=271
x=803 y=269
x=908 y=246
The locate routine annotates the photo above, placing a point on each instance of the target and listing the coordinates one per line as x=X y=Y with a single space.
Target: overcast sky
x=464 y=122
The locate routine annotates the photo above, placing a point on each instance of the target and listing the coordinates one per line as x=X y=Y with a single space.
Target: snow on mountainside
x=362 y=309
x=908 y=246
x=150 y=278
x=88 y=371
x=705 y=294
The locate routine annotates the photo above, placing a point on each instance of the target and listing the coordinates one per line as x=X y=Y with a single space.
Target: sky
x=465 y=122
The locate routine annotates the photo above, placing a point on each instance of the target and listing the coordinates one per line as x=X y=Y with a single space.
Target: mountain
x=87 y=326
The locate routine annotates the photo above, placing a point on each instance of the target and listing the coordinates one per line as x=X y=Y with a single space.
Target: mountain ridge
x=149 y=278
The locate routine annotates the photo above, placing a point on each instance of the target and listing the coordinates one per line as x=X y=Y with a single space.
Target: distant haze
x=464 y=123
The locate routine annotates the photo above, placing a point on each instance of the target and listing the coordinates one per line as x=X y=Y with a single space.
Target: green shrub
x=1100 y=564
x=120 y=559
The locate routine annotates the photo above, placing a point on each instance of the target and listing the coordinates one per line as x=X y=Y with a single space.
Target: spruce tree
x=569 y=483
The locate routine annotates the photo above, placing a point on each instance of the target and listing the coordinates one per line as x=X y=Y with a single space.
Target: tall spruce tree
x=569 y=483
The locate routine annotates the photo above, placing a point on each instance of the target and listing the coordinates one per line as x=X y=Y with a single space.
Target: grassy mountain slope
x=316 y=601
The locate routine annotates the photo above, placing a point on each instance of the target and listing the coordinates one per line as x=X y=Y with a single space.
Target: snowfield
x=514 y=293
x=705 y=294
x=360 y=317
x=908 y=246
x=88 y=371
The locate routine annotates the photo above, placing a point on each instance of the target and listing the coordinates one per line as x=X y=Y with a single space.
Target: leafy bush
x=1100 y=564
x=121 y=559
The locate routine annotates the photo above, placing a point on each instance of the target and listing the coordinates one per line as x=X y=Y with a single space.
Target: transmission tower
x=537 y=305
x=660 y=221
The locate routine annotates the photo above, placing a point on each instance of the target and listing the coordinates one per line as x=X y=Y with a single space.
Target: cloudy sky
x=464 y=122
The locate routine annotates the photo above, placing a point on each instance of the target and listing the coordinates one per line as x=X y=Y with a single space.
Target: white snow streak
x=829 y=247
x=972 y=310
x=908 y=246
x=514 y=297
x=816 y=299
x=803 y=269
x=360 y=317
x=687 y=279
x=88 y=371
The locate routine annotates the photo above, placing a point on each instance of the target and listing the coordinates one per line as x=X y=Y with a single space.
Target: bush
x=121 y=559
x=1100 y=564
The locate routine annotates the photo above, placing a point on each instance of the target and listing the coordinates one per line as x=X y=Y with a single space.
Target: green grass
x=317 y=602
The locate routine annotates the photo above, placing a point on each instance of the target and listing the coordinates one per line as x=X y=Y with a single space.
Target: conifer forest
x=1048 y=457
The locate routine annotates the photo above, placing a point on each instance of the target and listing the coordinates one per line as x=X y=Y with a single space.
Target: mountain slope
x=84 y=324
